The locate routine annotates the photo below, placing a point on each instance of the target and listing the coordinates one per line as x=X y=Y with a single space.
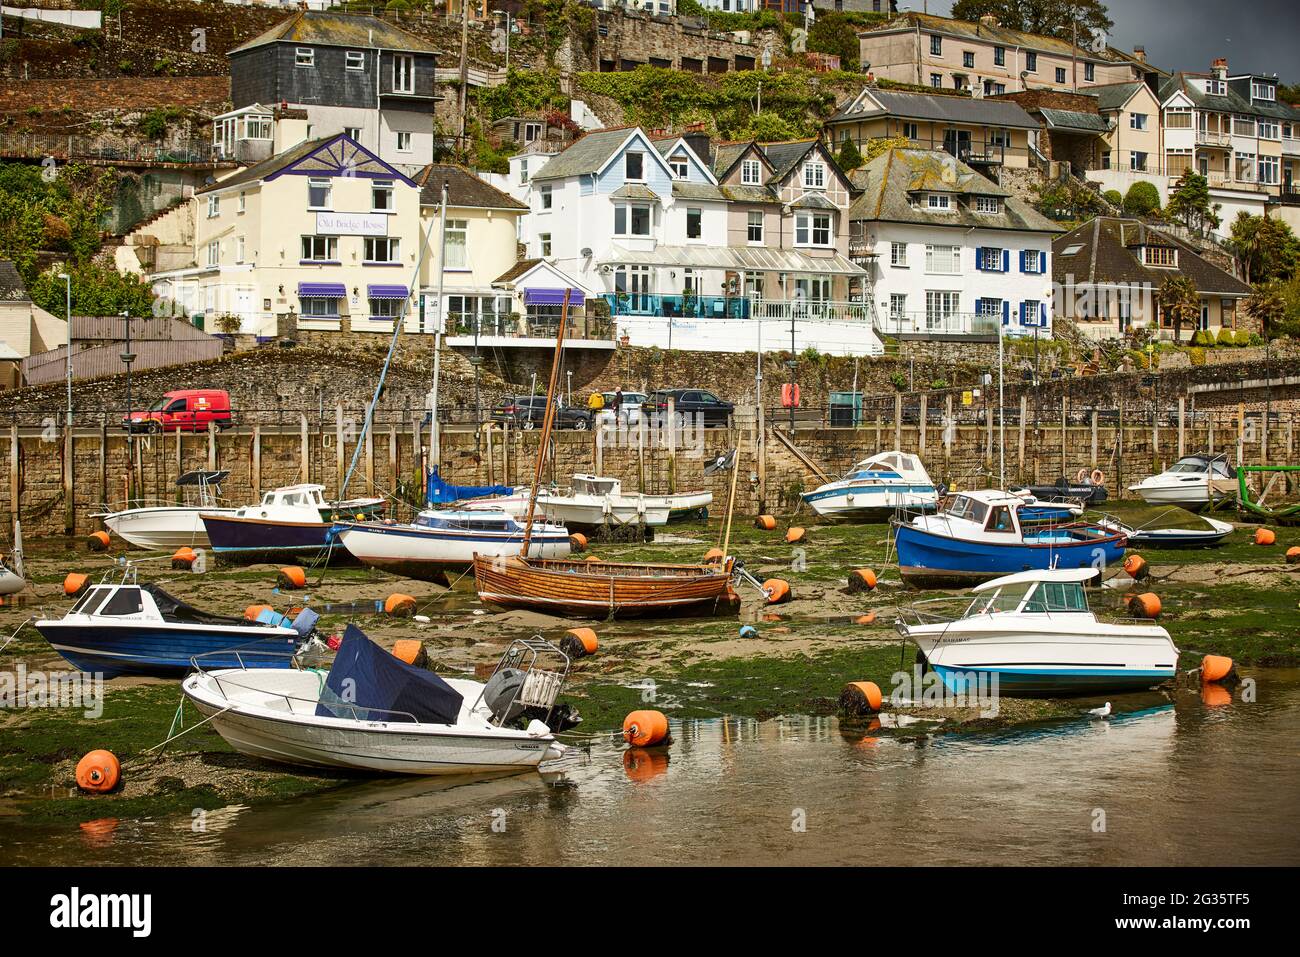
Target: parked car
x=629 y=411
x=183 y=410
x=527 y=412
x=689 y=404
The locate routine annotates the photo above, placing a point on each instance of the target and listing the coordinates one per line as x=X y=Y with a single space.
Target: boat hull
x=242 y=540
x=602 y=590
x=162 y=527
x=11 y=583
x=379 y=747
x=864 y=500
x=1191 y=495
x=929 y=559
x=427 y=554
x=165 y=650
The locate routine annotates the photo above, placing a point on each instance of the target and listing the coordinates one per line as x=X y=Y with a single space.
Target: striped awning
x=374 y=291
x=552 y=297
x=326 y=290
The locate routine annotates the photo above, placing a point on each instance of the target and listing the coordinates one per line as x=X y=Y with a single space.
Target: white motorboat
x=291 y=522
x=11 y=583
x=878 y=485
x=439 y=541
x=595 y=500
x=376 y=713
x=1193 y=482
x=172 y=525
x=1034 y=633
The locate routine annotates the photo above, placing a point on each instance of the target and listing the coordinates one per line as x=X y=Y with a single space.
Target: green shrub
x=1252 y=338
x=1114 y=197
x=1202 y=337
x=1225 y=337
x=1142 y=199
x=1196 y=355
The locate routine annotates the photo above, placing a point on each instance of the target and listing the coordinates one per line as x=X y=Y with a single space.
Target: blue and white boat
x=441 y=541
x=125 y=628
x=1033 y=634
x=980 y=535
x=877 y=486
x=290 y=523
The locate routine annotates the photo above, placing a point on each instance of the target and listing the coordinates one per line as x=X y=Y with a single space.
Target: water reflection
x=796 y=790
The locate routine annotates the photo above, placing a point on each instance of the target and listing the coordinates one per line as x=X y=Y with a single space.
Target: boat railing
x=541 y=685
x=933 y=611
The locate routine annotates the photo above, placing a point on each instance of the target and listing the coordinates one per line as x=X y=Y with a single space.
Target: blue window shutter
x=1042 y=261
x=1042 y=314
x=1022 y=313
x=1022 y=261
x=1006 y=260
x=979 y=258
x=1006 y=312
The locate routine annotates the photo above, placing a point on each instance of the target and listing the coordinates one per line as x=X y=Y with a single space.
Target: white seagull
x=1102 y=712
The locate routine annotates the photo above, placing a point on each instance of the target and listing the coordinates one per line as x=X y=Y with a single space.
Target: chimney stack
x=1219 y=68
x=1140 y=53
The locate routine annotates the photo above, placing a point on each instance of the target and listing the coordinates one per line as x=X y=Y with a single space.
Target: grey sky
x=1255 y=35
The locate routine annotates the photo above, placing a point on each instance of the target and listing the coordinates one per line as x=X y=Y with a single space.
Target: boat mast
x=435 y=439
x=547 y=419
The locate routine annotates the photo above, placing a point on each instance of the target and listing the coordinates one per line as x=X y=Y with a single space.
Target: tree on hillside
x=1189 y=203
x=849 y=158
x=833 y=33
x=96 y=291
x=1179 y=301
x=1049 y=17
x=1265 y=247
x=1267 y=307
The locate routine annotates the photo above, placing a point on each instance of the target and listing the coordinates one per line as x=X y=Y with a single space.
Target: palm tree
x=1180 y=301
x=1267 y=307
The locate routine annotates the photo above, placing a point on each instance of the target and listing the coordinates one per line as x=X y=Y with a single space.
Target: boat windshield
x=1057 y=597
x=968 y=508
x=89 y=601
x=1004 y=599
x=1187 y=465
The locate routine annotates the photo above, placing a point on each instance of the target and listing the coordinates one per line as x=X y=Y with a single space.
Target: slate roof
x=1111 y=253
x=1003 y=36
x=892 y=177
x=1230 y=102
x=1075 y=121
x=699 y=191
x=750 y=194
x=322 y=28
x=259 y=171
x=785 y=156
x=1113 y=96
x=941 y=108
x=586 y=155
x=12 y=287
x=464 y=189
x=726 y=155
x=635 y=191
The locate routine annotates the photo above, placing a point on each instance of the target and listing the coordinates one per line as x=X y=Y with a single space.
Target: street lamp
x=127 y=358
x=67 y=282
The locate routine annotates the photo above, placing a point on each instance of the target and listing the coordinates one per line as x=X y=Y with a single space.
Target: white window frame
x=814 y=175
x=391 y=247
x=239 y=249
x=544 y=245
x=946 y=256
x=403 y=141
x=751 y=173
x=318 y=182
x=304 y=56
x=214 y=206
x=989 y=205
x=378 y=188
x=627 y=173
x=898 y=255
x=214 y=253
x=403 y=73
x=546 y=197
x=754 y=224
x=354 y=60
x=939 y=202
x=457 y=244
x=328 y=247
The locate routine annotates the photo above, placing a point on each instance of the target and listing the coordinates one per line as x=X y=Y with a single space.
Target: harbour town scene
x=679 y=433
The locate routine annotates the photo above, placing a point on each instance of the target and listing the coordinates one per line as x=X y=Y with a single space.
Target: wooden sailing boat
x=591 y=588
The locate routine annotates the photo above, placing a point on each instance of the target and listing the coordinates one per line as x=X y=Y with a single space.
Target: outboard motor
x=501 y=693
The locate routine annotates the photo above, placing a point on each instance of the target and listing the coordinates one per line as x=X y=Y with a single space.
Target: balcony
x=677 y=307
x=1290 y=195
x=533 y=330
x=990 y=154
x=1291 y=146
x=1213 y=138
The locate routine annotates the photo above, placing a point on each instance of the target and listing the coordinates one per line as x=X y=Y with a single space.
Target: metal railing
x=528 y=327
x=674 y=307
x=945 y=324
x=825 y=310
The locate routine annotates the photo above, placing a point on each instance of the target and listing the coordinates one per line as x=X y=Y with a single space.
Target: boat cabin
x=1034 y=593
x=996 y=513
x=901 y=464
x=584 y=484
x=1201 y=465
x=309 y=495
x=128 y=603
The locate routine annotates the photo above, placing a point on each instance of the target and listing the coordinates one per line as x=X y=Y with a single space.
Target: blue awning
x=552 y=297
x=387 y=292
x=327 y=290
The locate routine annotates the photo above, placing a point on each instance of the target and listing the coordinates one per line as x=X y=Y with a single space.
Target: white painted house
x=955 y=255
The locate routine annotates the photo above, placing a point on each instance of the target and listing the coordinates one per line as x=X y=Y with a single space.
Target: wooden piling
x=256 y=474
x=304 y=450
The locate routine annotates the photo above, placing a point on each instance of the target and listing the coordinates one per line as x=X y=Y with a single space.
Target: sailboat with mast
x=590 y=588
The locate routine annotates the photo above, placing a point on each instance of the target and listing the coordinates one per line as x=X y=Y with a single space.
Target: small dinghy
x=125 y=628
x=1033 y=634
x=1146 y=536
x=374 y=712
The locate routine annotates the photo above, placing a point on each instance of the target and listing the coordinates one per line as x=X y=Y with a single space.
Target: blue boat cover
x=366 y=676
x=438 y=492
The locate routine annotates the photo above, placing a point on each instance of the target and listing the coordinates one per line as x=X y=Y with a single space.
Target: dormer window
x=1214 y=87
x=814 y=176
x=1259 y=90
x=634 y=167
x=680 y=167
x=987 y=204
x=355 y=60
x=1165 y=256
x=751 y=173
x=938 y=201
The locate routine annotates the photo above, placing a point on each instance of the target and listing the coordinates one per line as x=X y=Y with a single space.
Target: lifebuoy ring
x=1098 y=477
x=1081 y=477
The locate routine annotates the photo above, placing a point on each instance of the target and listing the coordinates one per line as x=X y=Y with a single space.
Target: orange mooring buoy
x=578 y=542
x=399 y=605
x=579 y=642
x=1136 y=566
x=713 y=556
x=412 y=651
x=643 y=729
x=75 y=584
x=97 y=541
x=1293 y=555
x=641 y=765
x=184 y=558
x=98 y=772
x=1265 y=536
x=1215 y=668
x=765 y=522
x=794 y=534
x=860 y=698
x=1146 y=605
x=252 y=611
x=290 y=578
x=862 y=579
x=778 y=591
x=868 y=619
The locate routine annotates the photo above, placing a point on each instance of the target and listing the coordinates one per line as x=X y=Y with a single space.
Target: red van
x=184 y=410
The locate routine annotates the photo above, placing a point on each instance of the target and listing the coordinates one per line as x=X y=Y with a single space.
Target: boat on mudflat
x=593 y=501
x=125 y=628
x=877 y=486
x=375 y=713
x=289 y=523
x=980 y=535
x=1193 y=482
x=172 y=525
x=1032 y=633
x=439 y=541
